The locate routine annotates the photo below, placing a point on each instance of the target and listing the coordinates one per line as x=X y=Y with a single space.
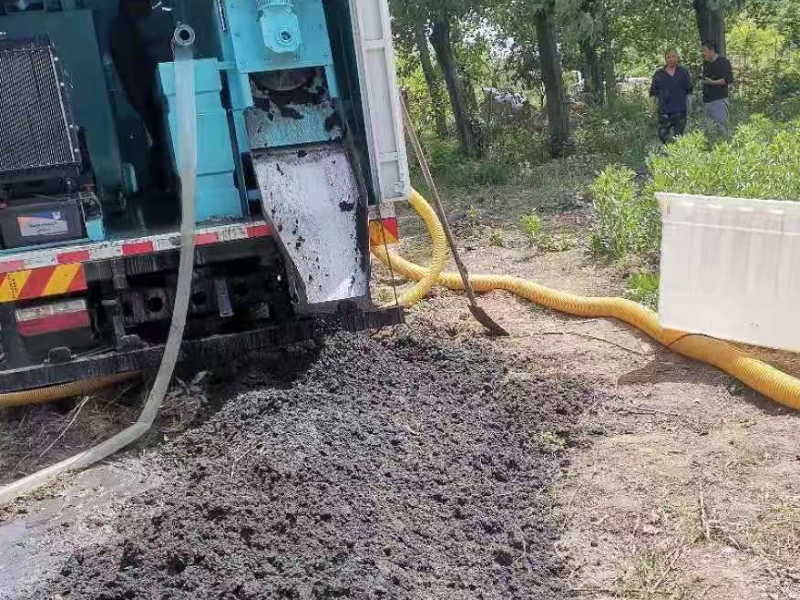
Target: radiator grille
x=35 y=133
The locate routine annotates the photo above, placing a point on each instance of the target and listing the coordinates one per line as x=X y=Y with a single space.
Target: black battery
x=35 y=222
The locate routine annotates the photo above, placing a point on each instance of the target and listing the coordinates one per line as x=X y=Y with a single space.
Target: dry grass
x=32 y=437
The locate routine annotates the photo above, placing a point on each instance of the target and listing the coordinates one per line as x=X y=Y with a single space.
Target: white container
x=381 y=98
x=730 y=269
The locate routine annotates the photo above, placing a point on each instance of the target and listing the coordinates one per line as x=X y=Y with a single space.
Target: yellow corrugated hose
x=768 y=380
x=59 y=392
x=428 y=278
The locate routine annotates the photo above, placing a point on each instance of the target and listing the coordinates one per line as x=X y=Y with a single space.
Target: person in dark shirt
x=717 y=78
x=672 y=87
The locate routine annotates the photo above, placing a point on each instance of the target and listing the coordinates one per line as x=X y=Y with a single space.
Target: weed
x=643 y=288
x=776 y=533
x=550 y=442
x=385 y=295
x=556 y=243
x=496 y=239
x=532 y=226
x=626 y=222
x=645 y=577
x=473 y=219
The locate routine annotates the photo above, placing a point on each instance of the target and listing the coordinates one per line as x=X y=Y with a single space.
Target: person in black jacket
x=672 y=88
x=717 y=78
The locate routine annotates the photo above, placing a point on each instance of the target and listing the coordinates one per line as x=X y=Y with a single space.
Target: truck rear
x=300 y=160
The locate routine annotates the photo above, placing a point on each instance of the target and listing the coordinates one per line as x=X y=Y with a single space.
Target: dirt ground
x=684 y=484
x=574 y=459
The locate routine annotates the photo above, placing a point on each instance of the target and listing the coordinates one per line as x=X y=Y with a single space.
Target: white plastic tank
x=730 y=269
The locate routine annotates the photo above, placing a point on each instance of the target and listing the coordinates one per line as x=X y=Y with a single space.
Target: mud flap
x=311 y=197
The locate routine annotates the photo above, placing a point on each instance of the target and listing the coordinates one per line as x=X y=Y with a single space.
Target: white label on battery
x=51 y=222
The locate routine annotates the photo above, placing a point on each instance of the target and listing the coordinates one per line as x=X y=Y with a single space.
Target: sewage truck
x=300 y=159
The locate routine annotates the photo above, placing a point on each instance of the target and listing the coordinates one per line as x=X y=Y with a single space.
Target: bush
x=626 y=221
x=767 y=67
x=760 y=161
x=452 y=168
x=623 y=131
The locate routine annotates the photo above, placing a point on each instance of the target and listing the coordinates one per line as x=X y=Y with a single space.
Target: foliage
x=767 y=67
x=626 y=221
x=760 y=161
x=532 y=227
x=643 y=287
x=623 y=131
x=420 y=104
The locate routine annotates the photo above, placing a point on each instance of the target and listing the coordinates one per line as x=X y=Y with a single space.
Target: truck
x=300 y=161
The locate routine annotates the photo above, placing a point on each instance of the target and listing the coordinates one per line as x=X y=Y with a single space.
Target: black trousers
x=671 y=125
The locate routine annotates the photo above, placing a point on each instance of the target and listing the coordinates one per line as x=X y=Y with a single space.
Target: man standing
x=717 y=78
x=672 y=87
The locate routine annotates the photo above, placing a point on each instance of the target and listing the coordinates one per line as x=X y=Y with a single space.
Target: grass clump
x=643 y=288
x=532 y=226
x=626 y=221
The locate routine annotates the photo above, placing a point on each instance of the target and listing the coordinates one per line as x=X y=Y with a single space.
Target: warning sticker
x=51 y=222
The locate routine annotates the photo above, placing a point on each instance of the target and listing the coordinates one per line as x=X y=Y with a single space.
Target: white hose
x=187 y=167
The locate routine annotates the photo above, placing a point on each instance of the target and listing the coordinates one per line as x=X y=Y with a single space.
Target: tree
x=532 y=23
x=552 y=74
x=711 y=22
x=431 y=76
x=440 y=18
x=442 y=43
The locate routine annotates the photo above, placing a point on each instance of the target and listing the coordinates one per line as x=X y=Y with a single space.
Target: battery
x=35 y=222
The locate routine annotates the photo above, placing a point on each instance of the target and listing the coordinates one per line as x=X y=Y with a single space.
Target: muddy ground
x=401 y=467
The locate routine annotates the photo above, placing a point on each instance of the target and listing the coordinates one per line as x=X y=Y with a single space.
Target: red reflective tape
x=392 y=227
x=68 y=258
x=14 y=265
x=36 y=283
x=79 y=282
x=137 y=248
x=203 y=239
x=59 y=322
x=255 y=231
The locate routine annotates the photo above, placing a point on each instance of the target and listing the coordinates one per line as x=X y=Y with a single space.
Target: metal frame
x=196 y=352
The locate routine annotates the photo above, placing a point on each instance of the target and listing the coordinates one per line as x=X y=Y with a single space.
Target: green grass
x=532 y=226
x=643 y=288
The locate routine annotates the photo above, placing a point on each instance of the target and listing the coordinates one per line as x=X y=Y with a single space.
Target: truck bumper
x=195 y=353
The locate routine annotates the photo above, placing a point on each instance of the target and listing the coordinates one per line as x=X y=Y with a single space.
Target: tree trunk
x=593 y=74
x=557 y=108
x=440 y=39
x=610 y=77
x=434 y=90
x=711 y=23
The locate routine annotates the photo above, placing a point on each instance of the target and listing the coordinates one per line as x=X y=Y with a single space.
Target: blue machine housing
x=217 y=196
x=240 y=44
x=252 y=37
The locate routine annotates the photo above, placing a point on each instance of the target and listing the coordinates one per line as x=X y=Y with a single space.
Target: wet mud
x=404 y=467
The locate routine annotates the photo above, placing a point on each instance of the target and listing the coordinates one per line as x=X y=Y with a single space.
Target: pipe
x=61 y=391
x=187 y=166
x=761 y=377
x=429 y=278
